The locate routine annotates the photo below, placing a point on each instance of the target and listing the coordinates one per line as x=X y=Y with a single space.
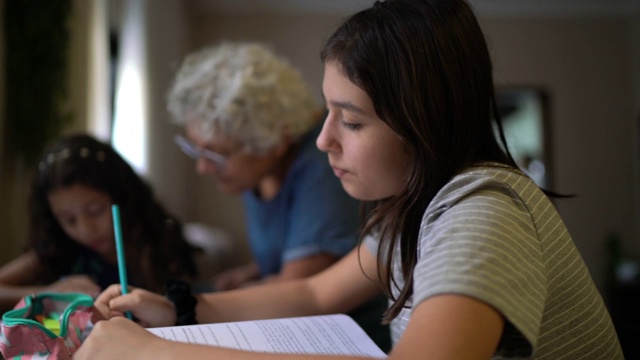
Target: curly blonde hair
x=242 y=91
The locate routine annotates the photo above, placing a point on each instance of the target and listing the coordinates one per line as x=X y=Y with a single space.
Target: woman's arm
x=304 y=267
x=249 y=274
x=236 y=277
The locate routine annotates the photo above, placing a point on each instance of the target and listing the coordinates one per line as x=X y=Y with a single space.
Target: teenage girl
x=474 y=258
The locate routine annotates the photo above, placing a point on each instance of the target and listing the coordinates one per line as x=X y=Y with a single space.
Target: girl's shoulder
x=486 y=180
x=493 y=170
x=486 y=175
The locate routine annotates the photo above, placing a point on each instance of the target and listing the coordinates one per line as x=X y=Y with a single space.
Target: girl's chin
x=361 y=194
x=106 y=250
x=355 y=193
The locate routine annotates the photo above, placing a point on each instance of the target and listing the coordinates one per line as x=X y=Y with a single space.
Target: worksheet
x=336 y=334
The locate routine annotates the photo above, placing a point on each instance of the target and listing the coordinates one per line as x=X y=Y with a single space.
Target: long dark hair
x=155 y=246
x=426 y=67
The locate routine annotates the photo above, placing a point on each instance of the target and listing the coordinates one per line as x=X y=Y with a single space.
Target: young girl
x=474 y=258
x=71 y=244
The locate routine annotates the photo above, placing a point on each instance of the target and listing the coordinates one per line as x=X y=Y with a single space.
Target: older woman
x=251 y=124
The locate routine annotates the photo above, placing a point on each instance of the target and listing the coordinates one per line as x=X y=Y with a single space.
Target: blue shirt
x=311 y=214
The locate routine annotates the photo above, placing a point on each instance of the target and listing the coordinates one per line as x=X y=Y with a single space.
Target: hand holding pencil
x=122 y=266
x=150 y=309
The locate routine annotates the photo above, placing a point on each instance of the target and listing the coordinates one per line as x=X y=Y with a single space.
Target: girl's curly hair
x=155 y=246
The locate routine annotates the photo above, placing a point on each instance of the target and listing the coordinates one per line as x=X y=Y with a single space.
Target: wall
x=635 y=44
x=168 y=172
x=2 y=85
x=7 y=248
x=585 y=63
x=14 y=178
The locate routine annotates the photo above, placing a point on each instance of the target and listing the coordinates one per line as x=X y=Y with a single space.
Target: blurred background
x=573 y=66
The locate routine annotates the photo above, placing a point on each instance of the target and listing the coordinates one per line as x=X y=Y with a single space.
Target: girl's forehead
x=341 y=92
x=75 y=196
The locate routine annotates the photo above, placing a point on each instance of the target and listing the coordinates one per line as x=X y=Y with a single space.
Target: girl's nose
x=326 y=141
x=86 y=226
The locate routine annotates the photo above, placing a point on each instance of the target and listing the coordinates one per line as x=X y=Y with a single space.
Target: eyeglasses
x=193 y=151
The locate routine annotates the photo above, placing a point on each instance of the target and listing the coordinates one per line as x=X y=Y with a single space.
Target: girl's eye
x=67 y=221
x=351 y=126
x=96 y=209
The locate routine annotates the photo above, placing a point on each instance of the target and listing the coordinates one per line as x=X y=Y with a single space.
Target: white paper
x=326 y=334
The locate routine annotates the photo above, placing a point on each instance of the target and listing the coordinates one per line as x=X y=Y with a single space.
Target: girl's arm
x=19 y=276
x=14 y=278
x=338 y=289
x=134 y=342
x=467 y=329
x=442 y=327
x=451 y=327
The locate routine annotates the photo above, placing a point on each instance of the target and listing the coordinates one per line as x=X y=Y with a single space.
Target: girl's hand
x=75 y=283
x=117 y=338
x=150 y=309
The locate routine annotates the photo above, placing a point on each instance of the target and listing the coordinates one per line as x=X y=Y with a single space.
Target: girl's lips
x=339 y=172
x=98 y=242
x=96 y=245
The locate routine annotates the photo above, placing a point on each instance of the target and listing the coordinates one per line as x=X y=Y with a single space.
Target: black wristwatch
x=179 y=293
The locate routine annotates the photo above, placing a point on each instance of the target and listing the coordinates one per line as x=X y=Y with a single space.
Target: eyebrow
x=348 y=106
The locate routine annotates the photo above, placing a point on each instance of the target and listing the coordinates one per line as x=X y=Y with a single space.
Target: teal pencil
x=122 y=266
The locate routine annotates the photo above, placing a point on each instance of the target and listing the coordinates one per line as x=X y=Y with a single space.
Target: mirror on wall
x=525 y=117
